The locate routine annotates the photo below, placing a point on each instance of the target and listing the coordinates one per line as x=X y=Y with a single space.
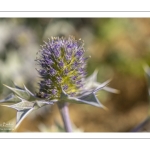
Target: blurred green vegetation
x=119 y=48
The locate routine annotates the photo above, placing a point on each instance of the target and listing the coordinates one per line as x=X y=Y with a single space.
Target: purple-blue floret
x=62 y=64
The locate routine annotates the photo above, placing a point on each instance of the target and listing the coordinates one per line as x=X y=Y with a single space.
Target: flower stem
x=63 y=108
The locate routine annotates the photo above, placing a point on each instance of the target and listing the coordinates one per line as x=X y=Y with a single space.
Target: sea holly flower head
x=62 y=63
x=62 y=71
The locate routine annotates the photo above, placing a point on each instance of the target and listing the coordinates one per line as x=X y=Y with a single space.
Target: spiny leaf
x=41 y=103
x=91 y=100
x=17 y=87
x=22 y=105
x=21 y=114
x=111 y=90
x=91 y=82
x=10 y=99
x=87 y=99
x=93 y=77
x=102 y=85
x=20 y=92
x=25 y=107
x=28 y=91
x=106 y=88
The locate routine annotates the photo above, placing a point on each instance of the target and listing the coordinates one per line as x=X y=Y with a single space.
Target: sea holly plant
x=62 y=70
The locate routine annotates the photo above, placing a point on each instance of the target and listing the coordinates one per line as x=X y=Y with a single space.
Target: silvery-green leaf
x=42 y=103
x=22 y=105
x=93 y=77
x=111 y=90
x=28 y=107
x=19 y=92
x=17 y=87
x=66 y=98
x=21 y=114
x=106 y=88
x=87 y=99
x=97 y=88
x=28 y=91
x=25 y=107
x=25 y=89
x=91 y=100
x=63 y=95
x=102 y=85
x=91 y=82
x=10 y=99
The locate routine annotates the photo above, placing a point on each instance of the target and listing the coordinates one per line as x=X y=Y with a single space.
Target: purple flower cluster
x=62 y=66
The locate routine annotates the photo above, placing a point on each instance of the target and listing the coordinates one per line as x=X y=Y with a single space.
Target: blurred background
x=119 y=49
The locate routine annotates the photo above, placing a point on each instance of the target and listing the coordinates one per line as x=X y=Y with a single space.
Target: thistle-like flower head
x=62 y=63
x=63 y=78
